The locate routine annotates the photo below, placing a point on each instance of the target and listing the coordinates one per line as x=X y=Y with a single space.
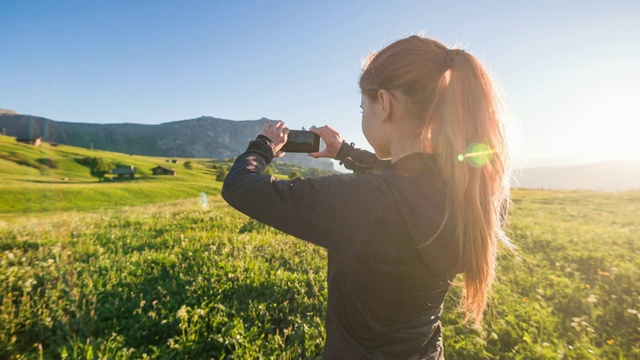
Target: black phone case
x=300 y=141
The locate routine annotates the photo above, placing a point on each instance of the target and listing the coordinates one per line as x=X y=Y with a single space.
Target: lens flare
x=202 y=198
x=477 y=155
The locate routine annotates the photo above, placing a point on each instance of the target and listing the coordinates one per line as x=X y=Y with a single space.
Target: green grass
x=136 y=269
x=69 y=186
x=174 y=280
x=27 y=185
x=573 y=289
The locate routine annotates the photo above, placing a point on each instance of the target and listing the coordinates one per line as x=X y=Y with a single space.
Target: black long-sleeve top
x=387 y=277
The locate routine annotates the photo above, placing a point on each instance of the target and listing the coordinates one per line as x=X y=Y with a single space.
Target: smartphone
x=302 y=141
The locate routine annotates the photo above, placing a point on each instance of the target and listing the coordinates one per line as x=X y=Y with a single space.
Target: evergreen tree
x=222 y=173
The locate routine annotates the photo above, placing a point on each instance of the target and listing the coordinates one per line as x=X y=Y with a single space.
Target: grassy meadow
x=51 y=179
x=68 y=185
x=139 y=269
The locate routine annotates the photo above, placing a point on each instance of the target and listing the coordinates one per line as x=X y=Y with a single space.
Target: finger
x=326 y=135
x=318 y=154
x=280 y=154
x=319 y=131
x=332 y=130
x=327 y=130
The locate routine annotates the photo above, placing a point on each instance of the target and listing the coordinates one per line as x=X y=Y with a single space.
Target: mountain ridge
x=202 y=137
x=611 y=175
x=211 y=137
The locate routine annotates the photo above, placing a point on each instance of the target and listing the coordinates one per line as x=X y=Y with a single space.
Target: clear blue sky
x=570 y=69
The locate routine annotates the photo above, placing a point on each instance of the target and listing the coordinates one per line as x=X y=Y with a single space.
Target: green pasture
x=69 y=185
x=139 y=269
x=28 y=186
x=174 y=280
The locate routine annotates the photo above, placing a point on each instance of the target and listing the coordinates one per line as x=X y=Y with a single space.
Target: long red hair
x=452 y=99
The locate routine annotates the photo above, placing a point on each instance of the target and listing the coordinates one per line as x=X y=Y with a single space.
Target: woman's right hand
x=332 y=140
x=277 y=132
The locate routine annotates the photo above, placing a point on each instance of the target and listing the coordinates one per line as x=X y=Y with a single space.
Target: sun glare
x=593 y=124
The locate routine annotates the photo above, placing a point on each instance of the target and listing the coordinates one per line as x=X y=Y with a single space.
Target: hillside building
x=31 y=141
x=125 y=172
x=161 y=170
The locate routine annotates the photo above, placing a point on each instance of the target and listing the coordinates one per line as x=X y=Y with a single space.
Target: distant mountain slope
x=204 y=137
x=7 y=111
x=606 y=176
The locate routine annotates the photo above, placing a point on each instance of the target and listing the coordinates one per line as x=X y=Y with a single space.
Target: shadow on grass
x=58 y=182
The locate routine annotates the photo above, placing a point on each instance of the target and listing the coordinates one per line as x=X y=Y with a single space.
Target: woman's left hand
x=332 y=140
x=277 y=132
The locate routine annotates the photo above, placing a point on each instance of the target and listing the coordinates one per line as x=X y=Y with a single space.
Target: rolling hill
x=209 y=137
x=51 y=178
x=204 y=137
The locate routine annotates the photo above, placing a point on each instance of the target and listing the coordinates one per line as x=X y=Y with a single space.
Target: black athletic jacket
x=387 y=282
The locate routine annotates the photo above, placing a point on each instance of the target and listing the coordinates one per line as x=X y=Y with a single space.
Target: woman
x=400 y=229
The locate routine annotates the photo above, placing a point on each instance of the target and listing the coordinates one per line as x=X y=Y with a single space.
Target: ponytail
x=451 y=96
x=464 y=130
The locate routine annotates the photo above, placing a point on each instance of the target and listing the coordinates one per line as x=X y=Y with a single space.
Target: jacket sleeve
x=322 y=210
x=358 y=160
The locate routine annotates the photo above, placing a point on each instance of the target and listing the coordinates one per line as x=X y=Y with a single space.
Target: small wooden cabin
x=161 y=170
x=124 y=172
